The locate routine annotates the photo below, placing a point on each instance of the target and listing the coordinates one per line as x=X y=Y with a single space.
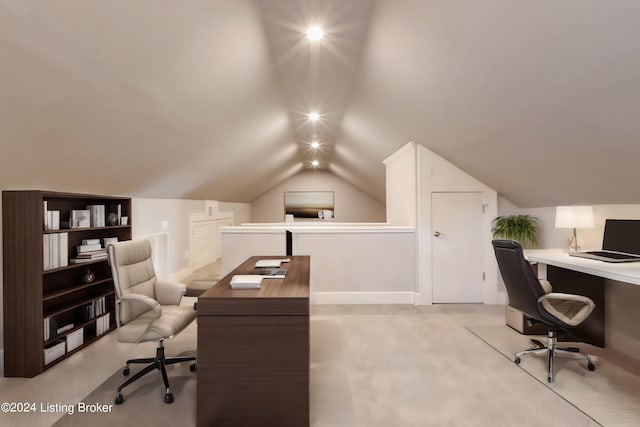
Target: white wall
x=401 y=186
x=241 y=211
x=152 y=216
x=171 y=216
x=413 y=174
x=438 y=175
x=363 y=264
x=351 y=204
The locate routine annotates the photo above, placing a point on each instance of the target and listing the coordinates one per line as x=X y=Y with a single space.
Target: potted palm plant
x=521 y=228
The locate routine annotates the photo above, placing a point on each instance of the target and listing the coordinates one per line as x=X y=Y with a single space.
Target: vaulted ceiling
x=209 y=99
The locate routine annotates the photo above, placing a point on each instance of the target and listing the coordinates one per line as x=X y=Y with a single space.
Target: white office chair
x=148 y=309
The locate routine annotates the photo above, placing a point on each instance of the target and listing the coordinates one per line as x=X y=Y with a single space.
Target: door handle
x=438 y=234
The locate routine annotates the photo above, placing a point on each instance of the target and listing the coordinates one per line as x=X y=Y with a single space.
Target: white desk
x=628 y=272
x=584 y=277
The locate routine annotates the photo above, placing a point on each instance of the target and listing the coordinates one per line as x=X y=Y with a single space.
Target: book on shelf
x=46 y=247
x=90 y=242
x=81 y=260
x=88 y=248
x=53 y=220
x=109 y=240
x=97 y=215
x=270 y=273
x=50 y=328
x=55 y=250
x=80 y=218
x=92 y=255
x=246 y=281
x=63 y=249
x=102 y=324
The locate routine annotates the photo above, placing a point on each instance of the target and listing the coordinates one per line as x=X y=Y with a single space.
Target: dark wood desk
x=253 y=351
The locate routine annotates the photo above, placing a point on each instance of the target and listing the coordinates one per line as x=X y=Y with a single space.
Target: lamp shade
x=574 y=217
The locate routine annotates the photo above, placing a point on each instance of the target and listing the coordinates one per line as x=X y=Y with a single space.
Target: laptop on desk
x=620 y=243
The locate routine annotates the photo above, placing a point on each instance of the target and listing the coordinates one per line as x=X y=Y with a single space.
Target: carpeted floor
x=388 y=366
x=146 y=393
x=610 y=395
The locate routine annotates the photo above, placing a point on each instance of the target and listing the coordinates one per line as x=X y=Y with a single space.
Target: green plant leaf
x=521 y=228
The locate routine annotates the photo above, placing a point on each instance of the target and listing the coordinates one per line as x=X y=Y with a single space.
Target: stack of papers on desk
x=270 y=262
x=246 y=281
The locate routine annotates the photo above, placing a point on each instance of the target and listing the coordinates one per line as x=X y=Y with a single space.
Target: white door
x=456 y=247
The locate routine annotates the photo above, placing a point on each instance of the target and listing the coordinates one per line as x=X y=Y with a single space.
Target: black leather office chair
x=559 y=312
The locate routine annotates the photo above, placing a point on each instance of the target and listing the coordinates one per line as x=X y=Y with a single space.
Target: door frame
x=424 y=264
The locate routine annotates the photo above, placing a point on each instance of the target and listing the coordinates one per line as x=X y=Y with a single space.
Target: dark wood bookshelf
x=72 y=289
x=32 y=294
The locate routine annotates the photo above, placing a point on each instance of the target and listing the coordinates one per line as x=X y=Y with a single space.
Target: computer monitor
x=289 y=237
x=622 y=235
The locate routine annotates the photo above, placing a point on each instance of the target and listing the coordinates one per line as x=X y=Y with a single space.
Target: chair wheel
x=193 y=367
x=516 y=361
x=125 y=371
x=119 y=398
x=591 y=366
x=168 y=398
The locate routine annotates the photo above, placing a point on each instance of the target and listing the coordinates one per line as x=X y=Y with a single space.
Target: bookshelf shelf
x=35 y=297
x=54 y=295
x=84 y=229
x=74 y=266
x=60 y=309
x=75 y=350
x=62 y=335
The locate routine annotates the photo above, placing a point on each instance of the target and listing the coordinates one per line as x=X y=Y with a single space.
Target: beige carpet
x=376 y=366
x=144 y=400
x=610 y=395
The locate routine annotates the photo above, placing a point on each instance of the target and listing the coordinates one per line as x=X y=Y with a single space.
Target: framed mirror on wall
x=309 y=204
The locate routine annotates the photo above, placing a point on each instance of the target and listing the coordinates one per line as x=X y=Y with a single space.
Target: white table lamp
x=574 y=217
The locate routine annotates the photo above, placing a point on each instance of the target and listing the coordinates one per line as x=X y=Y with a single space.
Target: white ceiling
x=207 y=99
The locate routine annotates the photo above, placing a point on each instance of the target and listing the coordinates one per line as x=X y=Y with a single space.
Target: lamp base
x=573 y=242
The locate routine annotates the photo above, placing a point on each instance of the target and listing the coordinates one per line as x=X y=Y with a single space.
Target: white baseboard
x=362 y=298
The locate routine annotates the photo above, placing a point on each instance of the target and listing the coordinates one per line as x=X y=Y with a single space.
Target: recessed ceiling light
x=314 y=116
x=314 y=33
x=315 y=163
x=315 y=144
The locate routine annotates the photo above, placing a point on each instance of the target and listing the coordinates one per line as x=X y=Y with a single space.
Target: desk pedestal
x=253 y=351
x=573 y=282
x=253 y=371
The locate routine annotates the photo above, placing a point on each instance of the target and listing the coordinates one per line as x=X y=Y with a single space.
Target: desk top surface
x=275 y=296
x=622 y=272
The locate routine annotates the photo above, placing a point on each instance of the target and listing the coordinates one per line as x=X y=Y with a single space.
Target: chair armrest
x=169 y=292
x=568 y=297
x=570 y=309
x=155 y=306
